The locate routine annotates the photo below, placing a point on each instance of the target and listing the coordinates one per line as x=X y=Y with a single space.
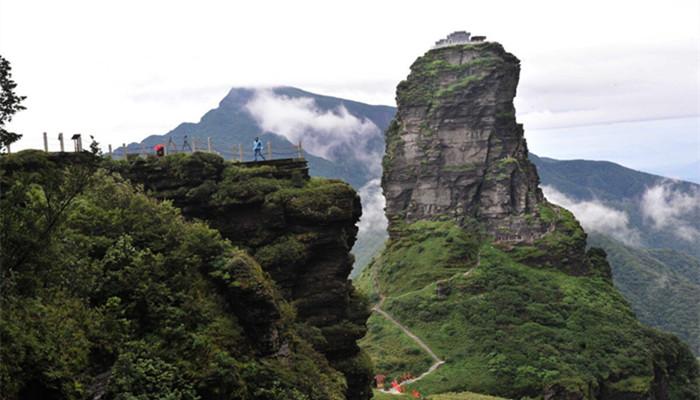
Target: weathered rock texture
x=455 y=149
x=456 y=156
x=300 y=232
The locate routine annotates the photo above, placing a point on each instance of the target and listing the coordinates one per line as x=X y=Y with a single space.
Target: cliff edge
x=454 y=148
x=488 y=274
x=182 y=277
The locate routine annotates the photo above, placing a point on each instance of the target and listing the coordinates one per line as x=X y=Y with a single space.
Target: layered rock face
x=299 y=231
x=454 y=148
x=497 y=306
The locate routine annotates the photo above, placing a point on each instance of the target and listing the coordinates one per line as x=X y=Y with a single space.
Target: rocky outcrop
x=299 y=230
x=454 y=148
x=461 y=197
x=109 y=293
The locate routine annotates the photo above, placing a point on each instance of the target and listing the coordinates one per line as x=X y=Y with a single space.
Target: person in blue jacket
x=257 y=149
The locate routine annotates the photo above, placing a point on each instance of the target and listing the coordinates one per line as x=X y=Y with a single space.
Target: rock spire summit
x=454 y=148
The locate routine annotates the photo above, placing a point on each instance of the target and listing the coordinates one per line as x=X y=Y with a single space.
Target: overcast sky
x=123 y=70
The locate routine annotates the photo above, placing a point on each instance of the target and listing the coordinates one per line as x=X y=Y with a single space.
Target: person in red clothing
x=160 y=150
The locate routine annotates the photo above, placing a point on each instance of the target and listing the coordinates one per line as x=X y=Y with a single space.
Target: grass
x=443 y=396
x=460 y=167
x=429 y=251
x=463 y=396
x=392 y=352
x=458 y=85
x=511 y=329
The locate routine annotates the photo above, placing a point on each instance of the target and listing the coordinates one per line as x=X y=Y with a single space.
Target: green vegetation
x=457 y=86
x=423 y=87
x=443 y=396
x=517 y=330
x=394 y=354
x=620 y=188
x=463 y=396
x=460 y=168
x=10 y=103
x=563 y=248
x=659 y=274
x=662 y=286
x=106 y=291
x=426 y=252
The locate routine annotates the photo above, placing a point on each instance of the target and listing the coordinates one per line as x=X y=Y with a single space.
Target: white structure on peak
x=458 y=37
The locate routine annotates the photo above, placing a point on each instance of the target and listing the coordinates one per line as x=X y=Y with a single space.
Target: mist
x=596 y=217
x=666 y=207
x=329 y=134
x=373 y=202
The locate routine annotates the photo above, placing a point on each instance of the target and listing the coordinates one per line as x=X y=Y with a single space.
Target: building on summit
x=458 y=37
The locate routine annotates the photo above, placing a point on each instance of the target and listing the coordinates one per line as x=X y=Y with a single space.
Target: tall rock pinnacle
x=455 y=149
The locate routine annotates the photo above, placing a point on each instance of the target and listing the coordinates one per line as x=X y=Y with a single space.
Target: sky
x=123 y=70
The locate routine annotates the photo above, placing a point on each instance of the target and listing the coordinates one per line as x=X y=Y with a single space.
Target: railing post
x=269 y=150
x=209 y=144
x=9 y=151
x=77 y=143
x=46 y=143
x=194 y=144
x=125 y=152
x=299 y=150
x=60 y=140
x=143 y=150
x=110 y=150
x=240 y=152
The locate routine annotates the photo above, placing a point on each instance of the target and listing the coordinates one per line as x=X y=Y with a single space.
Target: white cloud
x=669 y=208
x=328 y=134
x=373 y=202
x=81 y=68
x=596 y=217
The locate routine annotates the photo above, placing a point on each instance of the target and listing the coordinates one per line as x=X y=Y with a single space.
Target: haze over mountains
x=650 y=228
x=341 y=138
x=628 y=213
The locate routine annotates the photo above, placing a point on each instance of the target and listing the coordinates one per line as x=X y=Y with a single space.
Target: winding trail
x=437 y=361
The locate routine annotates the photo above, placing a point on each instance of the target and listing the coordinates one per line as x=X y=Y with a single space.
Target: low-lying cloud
x=596 y=217
x=668 y=208
x=373 y=202
x=330 y=134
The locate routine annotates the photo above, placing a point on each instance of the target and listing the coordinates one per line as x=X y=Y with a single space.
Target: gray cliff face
x=454 y=148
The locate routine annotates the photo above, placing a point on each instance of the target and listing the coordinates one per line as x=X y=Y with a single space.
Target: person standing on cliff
x=257 y=149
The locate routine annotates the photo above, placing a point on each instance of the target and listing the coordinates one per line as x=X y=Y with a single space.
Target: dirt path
x=419 y=341
x=437 y=362
x=410 y=334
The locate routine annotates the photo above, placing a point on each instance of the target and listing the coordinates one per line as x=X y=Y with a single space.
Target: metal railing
x=235 y=152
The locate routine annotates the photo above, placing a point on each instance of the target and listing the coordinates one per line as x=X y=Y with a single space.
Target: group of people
x=257 y=148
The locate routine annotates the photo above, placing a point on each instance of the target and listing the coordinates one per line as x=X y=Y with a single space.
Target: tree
x=10 y=103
